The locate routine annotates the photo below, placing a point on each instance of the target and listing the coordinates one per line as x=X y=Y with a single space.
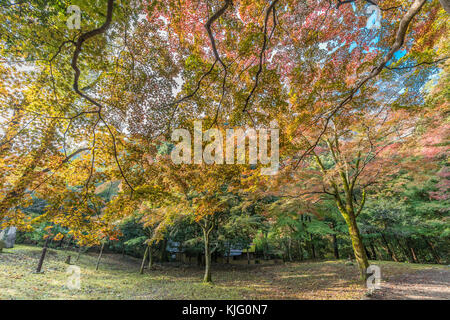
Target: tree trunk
x=358 y=247
x=374 y=252
x=413 y=253
x=150 y=258
x=406 y=253
x=207 y=277
x=435 y=255
x=311 y=242
x=61 y=242
x=79 y=254
x=163 y=256
x=300 y=250
x=390 y=252
x=289 y=249
x=335 y=247
x=99 y=256
x=144 y=259
x=229 y=253
x=313 y=249
x=369 y=256
x=409 y=243
x=44 y=251
x=266 y=247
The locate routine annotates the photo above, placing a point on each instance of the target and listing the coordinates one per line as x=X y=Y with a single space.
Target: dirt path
x=430 y=284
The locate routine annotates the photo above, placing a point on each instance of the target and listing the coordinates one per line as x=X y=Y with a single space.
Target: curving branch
x=398 y=43
x=270 y=10
x=208 y=24
x=418 y=64
x=340 y=3
x=78 y=46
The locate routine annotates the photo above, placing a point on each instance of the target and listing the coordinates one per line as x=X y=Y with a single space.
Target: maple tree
x=84 y=107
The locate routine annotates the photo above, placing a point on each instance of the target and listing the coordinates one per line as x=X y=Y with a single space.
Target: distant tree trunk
x=413 y=253
x=68 y=242
x=335 y=247
x=374 y=253
x=61 y=242
x=311 y=242
x=410 y=244
x=207 y=277
x=289 y=249
x=435 y=255
x=163 y=256
x=313 y=249
x=99 y=256
x=229 y=253
x=150 y=258
x=207 y=225
x=406 y=253
x=44 y=251
x=79 y=253
x=300 y=250
x=248 y=257
x=390 y=252
x=266 y=245
x=144 y=259
x=199 y=259
x=368 y=253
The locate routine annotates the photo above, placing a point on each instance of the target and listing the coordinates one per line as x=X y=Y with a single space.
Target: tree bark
x=374 y=252
x=435 y=255
x=390 y=252
x=150 y=258
x=41 y=259
x=406 y=253
x=163 y=256
x=357 y=244
x=369 y=256
x=409 y=243
x=300 y=250
x=144 y=259
x=99 y=256
x=311 y=242
x=289 y=249
x=207 y=277
x=335 y=247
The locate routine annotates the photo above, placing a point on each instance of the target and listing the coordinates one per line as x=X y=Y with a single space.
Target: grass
x=118 y=278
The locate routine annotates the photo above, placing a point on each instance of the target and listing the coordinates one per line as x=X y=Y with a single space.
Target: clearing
x=118 y=278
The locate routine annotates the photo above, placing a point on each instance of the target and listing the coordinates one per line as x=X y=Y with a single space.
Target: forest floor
x=430 y=284
x=118 y=278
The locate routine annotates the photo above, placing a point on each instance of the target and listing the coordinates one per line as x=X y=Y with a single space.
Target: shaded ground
x=433 y=284
x=118 y=278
